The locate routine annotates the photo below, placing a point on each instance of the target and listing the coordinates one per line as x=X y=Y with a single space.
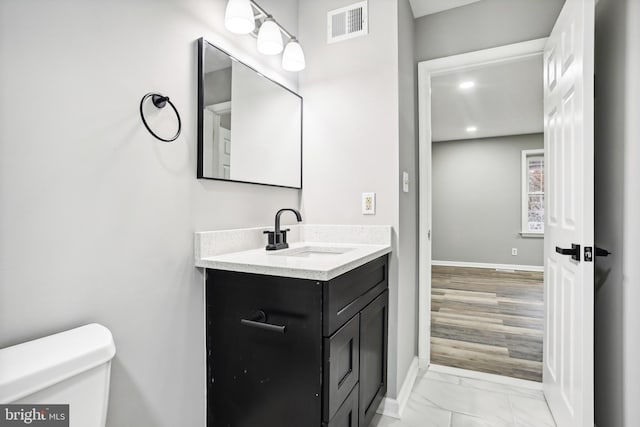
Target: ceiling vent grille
x=347 y=22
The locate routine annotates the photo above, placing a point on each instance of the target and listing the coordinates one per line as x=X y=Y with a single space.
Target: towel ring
x=160 y=101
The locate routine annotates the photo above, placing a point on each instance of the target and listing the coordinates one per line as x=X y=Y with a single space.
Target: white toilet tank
x=71 y=367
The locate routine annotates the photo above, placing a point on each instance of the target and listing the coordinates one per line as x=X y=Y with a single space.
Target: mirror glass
x=249 y=127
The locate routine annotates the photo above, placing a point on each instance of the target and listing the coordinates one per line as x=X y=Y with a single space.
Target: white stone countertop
x=235 y=250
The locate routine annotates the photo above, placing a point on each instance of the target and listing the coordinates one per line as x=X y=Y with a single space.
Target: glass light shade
x=238 y=17
x=270 y=38
x=293 y=57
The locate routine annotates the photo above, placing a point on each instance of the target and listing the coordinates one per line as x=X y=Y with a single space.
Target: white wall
x=96 y=216
x=352 y=145
x=477 y=204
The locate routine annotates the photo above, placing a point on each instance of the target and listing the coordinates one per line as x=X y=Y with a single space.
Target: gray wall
x=609 y=196
x=482 y=25
x=617 y=336
x=408 y=227
x=346 y=86
x=96 y=216
x=631 y=266
x=217 y=86
x=477 y=201
x=217 y=90
x=352 y=144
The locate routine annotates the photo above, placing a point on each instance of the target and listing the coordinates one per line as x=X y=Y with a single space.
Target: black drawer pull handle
x=259 y=321
x=265 y=326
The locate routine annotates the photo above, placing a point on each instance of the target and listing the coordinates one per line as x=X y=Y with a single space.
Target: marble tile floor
x=444 y=400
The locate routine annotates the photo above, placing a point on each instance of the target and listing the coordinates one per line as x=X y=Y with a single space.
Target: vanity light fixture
x=239 y=18
x=466 y=85
x=270 y=38
x=293 y=56
x=246 y=17
x=472 y=129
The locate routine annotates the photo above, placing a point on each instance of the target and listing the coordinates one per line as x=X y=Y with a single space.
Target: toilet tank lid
x=31 y=366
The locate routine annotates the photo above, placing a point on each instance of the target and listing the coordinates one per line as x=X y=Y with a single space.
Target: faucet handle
x=271 y=236
x=277 y=240
x=273 y=232
x=283 y=236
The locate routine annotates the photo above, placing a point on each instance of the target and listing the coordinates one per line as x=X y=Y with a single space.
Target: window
x=533 y=193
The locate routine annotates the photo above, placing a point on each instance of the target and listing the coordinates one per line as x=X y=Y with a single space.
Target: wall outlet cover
x=368 y=203
x=405 y=182
x=514 y=251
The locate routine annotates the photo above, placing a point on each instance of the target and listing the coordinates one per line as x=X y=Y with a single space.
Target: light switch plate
x=405 y=182
x=368 y=203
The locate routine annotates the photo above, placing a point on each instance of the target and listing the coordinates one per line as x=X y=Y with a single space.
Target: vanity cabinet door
x=347 y=415
x=373 y=357
x=264 y=369
x=342 y=365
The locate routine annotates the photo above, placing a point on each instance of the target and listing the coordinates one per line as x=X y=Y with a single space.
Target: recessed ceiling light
x=471 y=129
x=467 y=85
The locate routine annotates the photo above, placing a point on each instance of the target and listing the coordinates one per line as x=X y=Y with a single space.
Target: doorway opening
x=568 y=94
x=482 y=263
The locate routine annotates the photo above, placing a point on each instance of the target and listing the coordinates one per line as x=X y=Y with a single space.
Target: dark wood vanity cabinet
x=296 y=352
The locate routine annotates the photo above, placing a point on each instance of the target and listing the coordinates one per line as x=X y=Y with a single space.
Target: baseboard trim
x=488 y=265
x=423 y=364
x=500 y=379
x=395 y=407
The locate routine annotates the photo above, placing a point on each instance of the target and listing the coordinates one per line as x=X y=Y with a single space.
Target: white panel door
x=208 y=145
x=224 y=152
x=569 y=285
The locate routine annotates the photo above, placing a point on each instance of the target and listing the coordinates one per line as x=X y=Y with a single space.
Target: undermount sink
x=313 y=251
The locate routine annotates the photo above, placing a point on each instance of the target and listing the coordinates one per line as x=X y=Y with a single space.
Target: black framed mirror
x=249 y=126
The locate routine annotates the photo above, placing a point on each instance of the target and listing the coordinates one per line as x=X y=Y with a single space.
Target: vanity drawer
x=341 y=366
x=347 y=415
x=346 y=295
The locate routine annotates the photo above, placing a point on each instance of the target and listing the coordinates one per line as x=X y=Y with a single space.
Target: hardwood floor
x=488 y=321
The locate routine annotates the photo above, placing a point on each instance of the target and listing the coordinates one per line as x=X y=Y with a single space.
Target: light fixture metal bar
x=264 y=13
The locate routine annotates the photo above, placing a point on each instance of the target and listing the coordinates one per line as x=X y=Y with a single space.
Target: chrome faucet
x=278 y=238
